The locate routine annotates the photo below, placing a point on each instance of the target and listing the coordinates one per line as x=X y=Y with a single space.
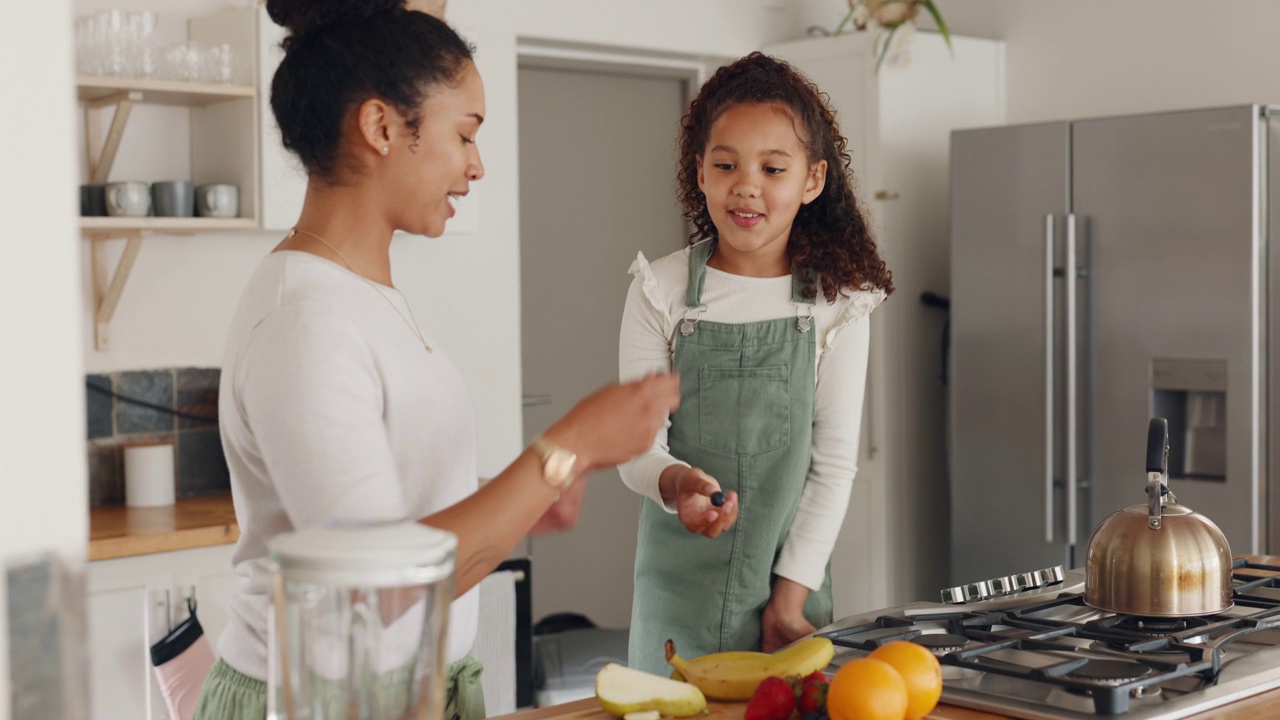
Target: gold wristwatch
x=557 y=463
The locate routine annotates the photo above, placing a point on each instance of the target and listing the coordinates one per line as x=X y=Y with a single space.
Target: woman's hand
x=563 y=513
x=690 y=490
x=617 y=422
x=783 y=622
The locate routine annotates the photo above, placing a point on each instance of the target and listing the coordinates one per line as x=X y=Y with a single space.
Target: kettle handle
x=1158 y=446
x=1157 y=469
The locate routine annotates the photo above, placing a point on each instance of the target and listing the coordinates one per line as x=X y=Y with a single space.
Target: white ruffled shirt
x=656 y=305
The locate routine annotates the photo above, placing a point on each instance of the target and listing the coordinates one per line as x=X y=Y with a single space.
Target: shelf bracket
x=108 y=285
x=102 y=152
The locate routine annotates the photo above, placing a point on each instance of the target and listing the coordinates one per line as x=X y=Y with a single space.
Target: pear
x=622 y=690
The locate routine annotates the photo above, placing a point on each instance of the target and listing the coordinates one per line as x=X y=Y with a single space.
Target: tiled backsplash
x=199 y=465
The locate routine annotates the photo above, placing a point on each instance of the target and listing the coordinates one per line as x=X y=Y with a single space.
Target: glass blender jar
x=359 y=624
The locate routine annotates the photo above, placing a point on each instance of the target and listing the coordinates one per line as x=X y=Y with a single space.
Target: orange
x=867 y=689
x=919 y=669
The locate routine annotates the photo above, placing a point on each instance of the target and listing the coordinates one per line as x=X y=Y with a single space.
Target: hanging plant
x=893 y=19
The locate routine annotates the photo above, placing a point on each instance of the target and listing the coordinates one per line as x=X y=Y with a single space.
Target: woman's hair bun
x=303 y=16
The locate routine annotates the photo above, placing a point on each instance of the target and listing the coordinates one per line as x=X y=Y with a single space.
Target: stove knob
x=1005 y=585
x=953 y=595
x=977 y=591
x=1049 y=576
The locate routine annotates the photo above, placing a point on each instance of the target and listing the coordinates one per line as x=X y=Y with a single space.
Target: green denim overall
x=746 y=418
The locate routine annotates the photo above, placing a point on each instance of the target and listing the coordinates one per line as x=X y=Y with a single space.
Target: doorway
x=597 y=185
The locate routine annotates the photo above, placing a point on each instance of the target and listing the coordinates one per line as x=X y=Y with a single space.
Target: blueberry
x=717 y=498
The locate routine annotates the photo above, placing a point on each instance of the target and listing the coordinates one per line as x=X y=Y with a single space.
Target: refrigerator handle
x=1048 y=378
x=1071 y=275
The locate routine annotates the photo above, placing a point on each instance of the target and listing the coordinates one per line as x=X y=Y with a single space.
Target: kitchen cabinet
x=131 y=603
x=898 y=123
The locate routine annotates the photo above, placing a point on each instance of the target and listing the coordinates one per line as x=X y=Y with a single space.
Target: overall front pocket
x=744 y=411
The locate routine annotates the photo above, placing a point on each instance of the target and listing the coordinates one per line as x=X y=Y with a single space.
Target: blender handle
x=366 y=633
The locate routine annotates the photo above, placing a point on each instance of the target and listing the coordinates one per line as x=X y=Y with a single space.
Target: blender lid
x=352 y=550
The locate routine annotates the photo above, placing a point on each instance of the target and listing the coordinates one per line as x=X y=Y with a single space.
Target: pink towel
x=182 y=677
x=182 y=660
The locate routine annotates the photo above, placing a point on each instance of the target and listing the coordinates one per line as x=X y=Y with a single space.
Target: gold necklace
x=413 y=326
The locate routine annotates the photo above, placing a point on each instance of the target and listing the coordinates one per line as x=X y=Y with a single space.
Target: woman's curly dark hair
x=343 y=52
x=830 y=236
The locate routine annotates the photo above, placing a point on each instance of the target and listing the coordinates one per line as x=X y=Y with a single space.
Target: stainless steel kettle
x=1159 y=558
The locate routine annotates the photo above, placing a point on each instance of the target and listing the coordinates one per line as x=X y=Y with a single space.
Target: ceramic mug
x=173 y=198
x=218 y=200
x=93 y=200
x=131 y=198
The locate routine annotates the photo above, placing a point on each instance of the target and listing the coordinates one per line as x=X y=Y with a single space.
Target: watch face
x=559 y=467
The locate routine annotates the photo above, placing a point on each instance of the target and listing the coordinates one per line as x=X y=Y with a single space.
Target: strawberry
x=812 y=693
x=773 y=700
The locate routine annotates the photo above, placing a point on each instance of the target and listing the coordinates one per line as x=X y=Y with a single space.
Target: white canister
x=148 y=475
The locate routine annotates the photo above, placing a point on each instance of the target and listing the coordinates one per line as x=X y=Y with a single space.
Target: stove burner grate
x=1110 y=672
x=1109 y=658
x=1154 y=625
x=942 y=643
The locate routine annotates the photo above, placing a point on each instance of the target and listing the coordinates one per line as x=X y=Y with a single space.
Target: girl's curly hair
x=830 y=236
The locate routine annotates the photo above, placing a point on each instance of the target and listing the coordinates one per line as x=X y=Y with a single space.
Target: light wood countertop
x=119 y=531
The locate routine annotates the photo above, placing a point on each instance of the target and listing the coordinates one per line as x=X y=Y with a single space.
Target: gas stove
x=1028 y=646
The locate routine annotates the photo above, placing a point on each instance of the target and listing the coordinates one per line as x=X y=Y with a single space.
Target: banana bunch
x=735 y=675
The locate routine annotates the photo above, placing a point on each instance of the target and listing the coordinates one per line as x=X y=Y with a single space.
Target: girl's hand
x=617 y=422
x=693 y=490
x=563 y=513
x=783 y=622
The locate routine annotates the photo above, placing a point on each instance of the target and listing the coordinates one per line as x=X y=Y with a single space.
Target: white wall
x=724 y=28
x=43 y=493
x=1087 y=58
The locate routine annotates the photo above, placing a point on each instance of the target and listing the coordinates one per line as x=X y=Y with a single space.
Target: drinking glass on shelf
x=218 y=64
x=114 y=45
x=183 y=61
x=140 y=40
x=88 y=45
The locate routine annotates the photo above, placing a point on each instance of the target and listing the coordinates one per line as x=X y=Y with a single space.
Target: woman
x=334 y=404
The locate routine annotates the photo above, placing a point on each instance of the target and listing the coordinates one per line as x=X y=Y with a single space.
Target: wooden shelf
x=171 y=225
x=119 y=531
x=158 y=92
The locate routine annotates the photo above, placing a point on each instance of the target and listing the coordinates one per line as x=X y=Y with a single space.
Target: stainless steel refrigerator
x=1105 y=271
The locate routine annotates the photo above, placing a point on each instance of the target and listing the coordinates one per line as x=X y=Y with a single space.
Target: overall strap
x=798 y=279
x=698 y=256
x=804 y=305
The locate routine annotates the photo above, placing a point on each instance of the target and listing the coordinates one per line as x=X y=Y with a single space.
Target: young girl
x=334 y=404
x=765 y=318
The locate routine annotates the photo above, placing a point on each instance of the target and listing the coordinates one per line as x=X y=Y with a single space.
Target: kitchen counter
x=1263 y=705
x=119 y=531
x=1259 y=706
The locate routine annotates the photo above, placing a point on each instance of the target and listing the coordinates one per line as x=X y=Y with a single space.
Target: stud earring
x=385 y=149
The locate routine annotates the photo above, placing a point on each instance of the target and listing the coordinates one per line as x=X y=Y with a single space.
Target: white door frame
x=548 y=54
